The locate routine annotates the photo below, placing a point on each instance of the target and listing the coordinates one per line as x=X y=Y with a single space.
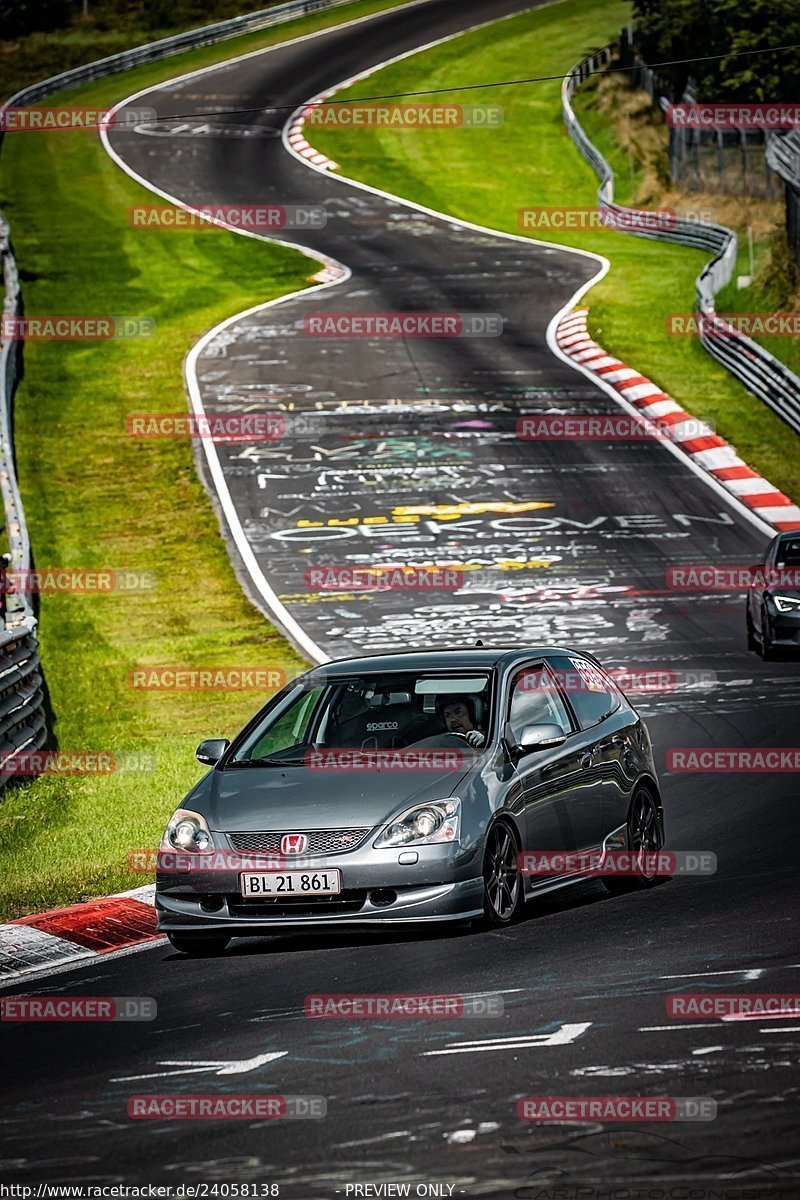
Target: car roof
x=449 y=658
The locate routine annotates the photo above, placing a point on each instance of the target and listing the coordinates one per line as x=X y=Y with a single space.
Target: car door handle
x=588 y=756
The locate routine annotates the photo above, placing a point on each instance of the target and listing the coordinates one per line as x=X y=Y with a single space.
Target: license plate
x=290 y=883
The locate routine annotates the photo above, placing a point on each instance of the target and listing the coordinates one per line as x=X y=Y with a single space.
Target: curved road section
x=408 y=454
x=416 y=460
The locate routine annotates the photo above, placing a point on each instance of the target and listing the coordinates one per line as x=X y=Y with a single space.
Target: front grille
x=320 y=841
x=297 y=906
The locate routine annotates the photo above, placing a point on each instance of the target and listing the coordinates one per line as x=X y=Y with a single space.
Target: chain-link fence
x=728 y=161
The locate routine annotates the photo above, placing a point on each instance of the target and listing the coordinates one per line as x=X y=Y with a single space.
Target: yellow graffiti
x=321 y=597
x=501 y=564
x=449 y=512
x=413 y=513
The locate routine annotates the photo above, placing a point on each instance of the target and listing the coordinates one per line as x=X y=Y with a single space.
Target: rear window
x=590 y=691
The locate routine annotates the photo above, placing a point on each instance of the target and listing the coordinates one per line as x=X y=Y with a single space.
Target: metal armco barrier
x=783 y=155
x=22 y=715
x=759 y=371
x=22 y=718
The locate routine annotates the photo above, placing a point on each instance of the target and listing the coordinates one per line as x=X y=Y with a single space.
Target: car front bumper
x=784 y=628
x=445 y=883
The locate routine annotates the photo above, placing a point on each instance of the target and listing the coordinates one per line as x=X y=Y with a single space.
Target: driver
x=458 y=715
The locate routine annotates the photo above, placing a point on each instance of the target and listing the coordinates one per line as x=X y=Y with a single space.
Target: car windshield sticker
x=590 y=675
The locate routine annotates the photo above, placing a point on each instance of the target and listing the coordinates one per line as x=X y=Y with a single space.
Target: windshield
x=788 y=553
x=374 y=712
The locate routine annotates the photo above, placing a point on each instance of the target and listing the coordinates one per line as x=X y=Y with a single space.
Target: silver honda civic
x=408 y=788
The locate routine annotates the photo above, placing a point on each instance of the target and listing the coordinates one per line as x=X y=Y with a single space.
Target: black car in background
x=773 y=600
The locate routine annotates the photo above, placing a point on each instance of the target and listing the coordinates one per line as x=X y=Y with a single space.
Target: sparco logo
x=376 y=726
x=293 y=843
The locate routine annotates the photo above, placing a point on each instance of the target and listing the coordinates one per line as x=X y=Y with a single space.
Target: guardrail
x=22 y=716
x=783 y=155
x=761 y=373
x=191 y=39
x=23 y=722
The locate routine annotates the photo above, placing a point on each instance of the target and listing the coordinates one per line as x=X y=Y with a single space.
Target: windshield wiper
x=267 y=761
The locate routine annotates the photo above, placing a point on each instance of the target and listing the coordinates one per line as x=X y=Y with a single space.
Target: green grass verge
x=97 y=498
x=488 y=176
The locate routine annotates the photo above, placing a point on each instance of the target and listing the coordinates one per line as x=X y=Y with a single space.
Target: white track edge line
x=267 y=593
x=264 y=589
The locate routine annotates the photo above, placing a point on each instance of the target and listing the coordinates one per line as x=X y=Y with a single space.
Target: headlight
x=424 y=824
x=787 y=603
x=187 y=831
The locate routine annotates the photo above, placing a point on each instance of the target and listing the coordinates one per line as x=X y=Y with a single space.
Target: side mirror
x=540 y=737
x=211 y=751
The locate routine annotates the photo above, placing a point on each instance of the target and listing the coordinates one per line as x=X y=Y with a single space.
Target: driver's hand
x=475 y=738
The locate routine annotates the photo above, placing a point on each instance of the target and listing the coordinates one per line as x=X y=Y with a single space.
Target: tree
x=679 y=29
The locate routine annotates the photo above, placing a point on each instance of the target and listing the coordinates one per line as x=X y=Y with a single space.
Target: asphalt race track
x=413 y=443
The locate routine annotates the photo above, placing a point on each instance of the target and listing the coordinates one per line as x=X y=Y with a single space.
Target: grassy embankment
x=94 y=497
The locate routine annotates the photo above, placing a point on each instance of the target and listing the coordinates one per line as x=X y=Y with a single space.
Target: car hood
x=247 y=799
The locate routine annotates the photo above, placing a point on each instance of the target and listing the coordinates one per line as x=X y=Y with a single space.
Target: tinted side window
x=535 y=700
x=591 y=693
x=788 y=552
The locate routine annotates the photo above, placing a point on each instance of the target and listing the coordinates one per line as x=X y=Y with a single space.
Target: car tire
x=768 y=652
x=198 y=947
x=645 y=834
x=752 y=641
x=503 y=884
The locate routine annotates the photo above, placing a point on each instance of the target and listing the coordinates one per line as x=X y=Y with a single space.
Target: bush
x=678 y=29
x=18 y=17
